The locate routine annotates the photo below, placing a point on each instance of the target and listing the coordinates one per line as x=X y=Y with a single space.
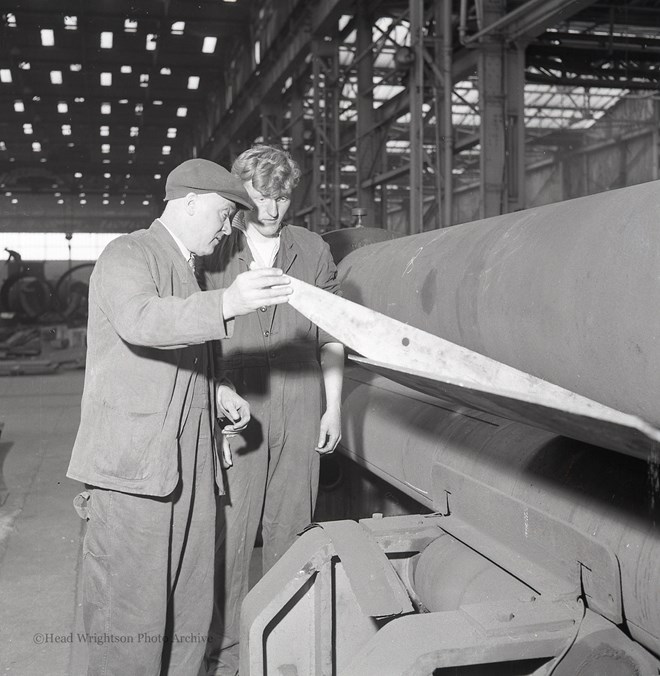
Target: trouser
x=276 y=485
x=148 y=569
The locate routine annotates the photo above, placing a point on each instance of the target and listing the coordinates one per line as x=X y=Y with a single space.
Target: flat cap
x=203 y=176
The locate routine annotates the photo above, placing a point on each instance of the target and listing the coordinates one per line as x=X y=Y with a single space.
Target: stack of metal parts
x=542 y=555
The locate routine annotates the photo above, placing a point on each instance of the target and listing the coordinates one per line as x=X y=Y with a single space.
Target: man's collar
x=185 y=252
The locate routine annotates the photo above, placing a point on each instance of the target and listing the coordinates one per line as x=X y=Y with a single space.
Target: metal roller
x=567 y=292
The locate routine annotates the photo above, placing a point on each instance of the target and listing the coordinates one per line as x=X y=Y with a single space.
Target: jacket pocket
x=132 y=444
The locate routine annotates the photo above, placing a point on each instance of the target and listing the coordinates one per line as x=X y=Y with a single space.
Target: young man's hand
x=329 y=432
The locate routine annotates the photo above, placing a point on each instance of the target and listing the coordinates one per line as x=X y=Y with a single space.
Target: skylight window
x=182 y=111
x=171 y=132
x=75 y=67
x=131 y=150
x=166 y=71
x=157 y=102
x=144 y=80
x=126 y=69
x=209 y=44
x=106 y=79
x=157 y=177
x=134 y=131
x=27 y=128
x=66 y=130
x=56 y=77
x=5 y=75
x=106 y=109
x=105 y=148
x=24 y=65
x=151 y=42
x=79 y=99
x=11 y=20
x=130 y=26
x=193 y=82
x=3 y=145
x=70 y=23
x=167 y=150
x=47 y=37
x=107 y=175
x=77 y=175
x=104 y=130
x=106 y=39
x=139 y=108
x=178 y=27
x=62 y=107
x=36 y=147
x=19 y=106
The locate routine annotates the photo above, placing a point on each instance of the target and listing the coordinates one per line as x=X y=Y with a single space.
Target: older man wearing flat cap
x=145 y=447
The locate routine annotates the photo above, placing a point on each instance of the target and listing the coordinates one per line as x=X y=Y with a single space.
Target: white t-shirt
x=264 y=249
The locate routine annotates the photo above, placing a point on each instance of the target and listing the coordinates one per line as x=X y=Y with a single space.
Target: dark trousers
x=148 y=570
x=276 y=482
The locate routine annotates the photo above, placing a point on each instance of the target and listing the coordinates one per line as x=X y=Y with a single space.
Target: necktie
x=197 y=267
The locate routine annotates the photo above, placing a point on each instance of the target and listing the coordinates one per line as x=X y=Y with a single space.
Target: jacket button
x=266 y=333
x=263 y=309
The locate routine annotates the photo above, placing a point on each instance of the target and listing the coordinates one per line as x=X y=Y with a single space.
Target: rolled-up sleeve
x=326 y=279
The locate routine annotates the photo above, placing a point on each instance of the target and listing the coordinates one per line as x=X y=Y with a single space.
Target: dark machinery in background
x=31 y=297
x=537 y=553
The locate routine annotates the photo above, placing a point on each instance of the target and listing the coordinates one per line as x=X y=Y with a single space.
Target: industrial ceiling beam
x=266 y=81
x=537 y=19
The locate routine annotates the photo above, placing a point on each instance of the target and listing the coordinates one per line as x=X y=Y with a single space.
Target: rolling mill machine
x=505 y=375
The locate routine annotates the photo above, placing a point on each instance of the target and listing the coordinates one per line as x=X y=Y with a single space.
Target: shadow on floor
x=5 y=447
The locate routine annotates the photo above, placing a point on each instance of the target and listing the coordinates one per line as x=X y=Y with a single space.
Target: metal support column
x=491 y=102
x=326 y=192
x=416 y=93
x=301 y=195
x=515 y=128
x=444 y=129
x=366 y=143
x=272 y=115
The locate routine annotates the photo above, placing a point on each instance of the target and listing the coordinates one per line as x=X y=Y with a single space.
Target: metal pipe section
x=402 y=435
x=568 y=292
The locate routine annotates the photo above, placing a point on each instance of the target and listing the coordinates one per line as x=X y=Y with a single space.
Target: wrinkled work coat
x=278 y=340
x=147 y=327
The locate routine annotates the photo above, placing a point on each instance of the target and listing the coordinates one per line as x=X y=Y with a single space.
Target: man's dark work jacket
x=147 y=328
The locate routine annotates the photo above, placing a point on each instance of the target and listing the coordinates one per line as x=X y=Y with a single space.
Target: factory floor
x=40 y=533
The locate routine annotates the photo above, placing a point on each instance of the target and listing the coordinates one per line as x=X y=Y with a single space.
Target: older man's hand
x=234 y=408
x=254 y=289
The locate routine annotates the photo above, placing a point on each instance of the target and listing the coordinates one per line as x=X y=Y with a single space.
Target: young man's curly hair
x=273 y=171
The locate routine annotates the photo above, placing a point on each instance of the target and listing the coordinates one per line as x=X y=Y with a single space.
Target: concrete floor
x=40 y=533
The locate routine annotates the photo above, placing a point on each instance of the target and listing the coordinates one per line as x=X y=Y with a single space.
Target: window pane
x=53 y=246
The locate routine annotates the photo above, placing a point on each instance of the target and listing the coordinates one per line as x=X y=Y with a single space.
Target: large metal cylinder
x=568 y=292
x=400 y=435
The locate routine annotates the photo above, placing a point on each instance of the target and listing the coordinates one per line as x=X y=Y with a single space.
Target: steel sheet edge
x=568 y=292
